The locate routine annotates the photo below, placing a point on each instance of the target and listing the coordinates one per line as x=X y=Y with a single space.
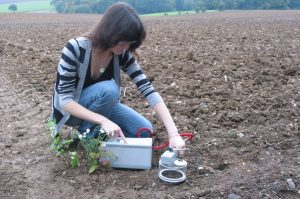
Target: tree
x=221 y=6
x=153 y=6
x=13 y=7
x=294 y=4
x=189 y=4
x=82 y=8
x=275 y=4
x=199 y=5
x=179 y=5
x=102 y=5
x=59 y=5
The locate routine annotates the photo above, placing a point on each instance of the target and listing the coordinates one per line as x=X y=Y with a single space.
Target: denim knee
x=110 y=93
x=144 y=129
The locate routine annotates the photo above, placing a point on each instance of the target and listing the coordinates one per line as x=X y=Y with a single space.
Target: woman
x=87 y=87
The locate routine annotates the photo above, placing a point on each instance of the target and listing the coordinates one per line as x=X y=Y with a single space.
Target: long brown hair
x=120 y=22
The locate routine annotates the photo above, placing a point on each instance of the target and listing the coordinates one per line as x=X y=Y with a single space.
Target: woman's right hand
x=112 y=129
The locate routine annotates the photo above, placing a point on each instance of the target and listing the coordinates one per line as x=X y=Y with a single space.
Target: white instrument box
x=135 y=154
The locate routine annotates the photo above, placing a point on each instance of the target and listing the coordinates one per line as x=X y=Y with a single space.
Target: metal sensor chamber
x=171 y=168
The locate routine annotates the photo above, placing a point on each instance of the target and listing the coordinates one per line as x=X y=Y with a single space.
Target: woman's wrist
x=101 y=119
x=174 y=134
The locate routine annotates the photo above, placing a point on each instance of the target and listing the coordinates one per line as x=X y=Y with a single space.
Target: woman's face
x=121 y=46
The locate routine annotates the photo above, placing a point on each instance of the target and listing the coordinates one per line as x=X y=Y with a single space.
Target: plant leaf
x=74 y=159
x=93 y=168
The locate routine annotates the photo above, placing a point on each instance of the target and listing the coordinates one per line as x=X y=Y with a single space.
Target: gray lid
x=180 y=163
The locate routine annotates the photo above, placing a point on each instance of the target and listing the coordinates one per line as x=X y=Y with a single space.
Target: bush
x=79 y=146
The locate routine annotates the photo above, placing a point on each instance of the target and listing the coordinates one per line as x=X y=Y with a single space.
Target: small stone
x=173 y=84
x=234 y=196
x=240 y=135
x=291 y=183
x=8 y=145
x=263 y=195
x=16 y=152
x=276 y=186
x=205 y=169
x=138 y=186
x=291 y=71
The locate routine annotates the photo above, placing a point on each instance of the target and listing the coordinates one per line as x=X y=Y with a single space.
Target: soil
x=231 y=78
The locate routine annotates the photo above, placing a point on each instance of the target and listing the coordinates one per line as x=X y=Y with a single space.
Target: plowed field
x=231 y=78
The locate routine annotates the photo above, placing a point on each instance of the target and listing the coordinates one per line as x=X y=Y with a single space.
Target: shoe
x=95 y=132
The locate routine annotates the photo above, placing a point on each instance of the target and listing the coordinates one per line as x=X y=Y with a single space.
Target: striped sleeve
x=67 y=77
x=134 y=71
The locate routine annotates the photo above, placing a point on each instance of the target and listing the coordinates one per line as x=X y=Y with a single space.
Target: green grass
x=169 y=13
x=176 y=13
x=30 y=6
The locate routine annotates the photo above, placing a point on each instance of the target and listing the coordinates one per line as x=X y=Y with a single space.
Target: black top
x=107 y=75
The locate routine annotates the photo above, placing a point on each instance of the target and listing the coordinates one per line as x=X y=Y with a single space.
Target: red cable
x=184 y=134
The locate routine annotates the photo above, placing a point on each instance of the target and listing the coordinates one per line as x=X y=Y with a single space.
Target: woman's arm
x=134 y=71
x=175 y=140
x=81 y=112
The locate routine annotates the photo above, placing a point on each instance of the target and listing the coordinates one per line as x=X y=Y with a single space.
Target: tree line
x=154 y=6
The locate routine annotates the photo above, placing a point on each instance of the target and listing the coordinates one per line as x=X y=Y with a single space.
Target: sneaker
x=96 y=132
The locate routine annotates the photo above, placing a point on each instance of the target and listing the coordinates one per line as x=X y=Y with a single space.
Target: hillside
x=27 y=5
x=19 y=1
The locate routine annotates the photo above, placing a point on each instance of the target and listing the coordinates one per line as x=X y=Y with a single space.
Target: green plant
x=90 y=147
x=234 y=134
x=74 y=159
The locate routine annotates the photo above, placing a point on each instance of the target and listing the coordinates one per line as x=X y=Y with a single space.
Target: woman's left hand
x=176 y=142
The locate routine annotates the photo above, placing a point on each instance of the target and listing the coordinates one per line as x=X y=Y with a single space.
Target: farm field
x=231 y=78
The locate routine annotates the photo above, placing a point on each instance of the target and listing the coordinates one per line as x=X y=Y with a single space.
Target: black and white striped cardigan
x=71 y=73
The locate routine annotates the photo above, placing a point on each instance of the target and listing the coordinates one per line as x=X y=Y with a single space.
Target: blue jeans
x=103 y=98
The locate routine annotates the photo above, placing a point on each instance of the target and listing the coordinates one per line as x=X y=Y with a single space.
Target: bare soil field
x=231 y=78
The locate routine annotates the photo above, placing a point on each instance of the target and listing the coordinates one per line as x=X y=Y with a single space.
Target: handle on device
x=140 y=130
